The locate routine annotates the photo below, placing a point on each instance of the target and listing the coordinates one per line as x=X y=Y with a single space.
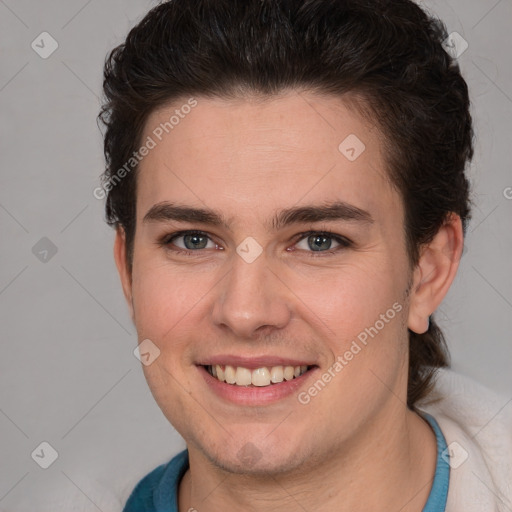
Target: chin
x=254 y=464
x=247 y=458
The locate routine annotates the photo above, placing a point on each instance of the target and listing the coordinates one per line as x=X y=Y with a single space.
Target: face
x=300 y=262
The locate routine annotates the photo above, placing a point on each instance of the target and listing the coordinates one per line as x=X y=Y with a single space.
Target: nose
x=251 y=299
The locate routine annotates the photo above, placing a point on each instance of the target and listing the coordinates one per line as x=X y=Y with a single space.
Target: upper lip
x=254 y=362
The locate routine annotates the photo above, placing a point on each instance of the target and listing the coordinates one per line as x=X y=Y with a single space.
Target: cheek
x=351 y=297
x=165 y=301
x=363 y=311
x=166 y=311
x=367 y=341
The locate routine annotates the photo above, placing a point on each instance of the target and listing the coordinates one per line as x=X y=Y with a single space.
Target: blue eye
x=192 y=240
x=322 y=242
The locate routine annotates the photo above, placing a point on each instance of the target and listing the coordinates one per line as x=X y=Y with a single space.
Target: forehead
x=248 y=155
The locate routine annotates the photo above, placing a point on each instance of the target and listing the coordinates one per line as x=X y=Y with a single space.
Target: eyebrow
x=338 y=210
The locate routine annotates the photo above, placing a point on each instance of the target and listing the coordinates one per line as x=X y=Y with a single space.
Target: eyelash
x=344 y=242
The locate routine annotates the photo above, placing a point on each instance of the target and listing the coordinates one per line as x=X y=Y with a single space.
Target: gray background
x=68 y=375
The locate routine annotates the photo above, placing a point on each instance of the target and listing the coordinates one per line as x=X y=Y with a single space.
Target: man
x=287 y=183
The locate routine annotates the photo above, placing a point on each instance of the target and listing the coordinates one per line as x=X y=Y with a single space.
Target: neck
x=390 y=467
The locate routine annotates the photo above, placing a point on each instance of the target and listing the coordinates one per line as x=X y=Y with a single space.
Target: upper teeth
x=259 y=377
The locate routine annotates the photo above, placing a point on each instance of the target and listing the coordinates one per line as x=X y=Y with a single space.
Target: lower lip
x=255 y=395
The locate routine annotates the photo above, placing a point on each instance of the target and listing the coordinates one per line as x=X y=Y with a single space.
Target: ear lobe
x=435 y=272
x=122 y=267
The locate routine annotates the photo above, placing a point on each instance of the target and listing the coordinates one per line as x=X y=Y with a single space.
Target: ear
x=435 y=272
x=122 y=267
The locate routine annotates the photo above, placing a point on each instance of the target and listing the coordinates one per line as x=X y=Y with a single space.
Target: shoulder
x=477 y=425
x=158 y=490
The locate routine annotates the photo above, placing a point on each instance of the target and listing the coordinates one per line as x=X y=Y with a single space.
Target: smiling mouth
x=259 y=377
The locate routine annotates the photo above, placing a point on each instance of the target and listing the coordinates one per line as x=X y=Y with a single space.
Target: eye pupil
x=320 y=242
x=195 y=239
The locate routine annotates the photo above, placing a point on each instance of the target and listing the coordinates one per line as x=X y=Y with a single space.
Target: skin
x=355 y=445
